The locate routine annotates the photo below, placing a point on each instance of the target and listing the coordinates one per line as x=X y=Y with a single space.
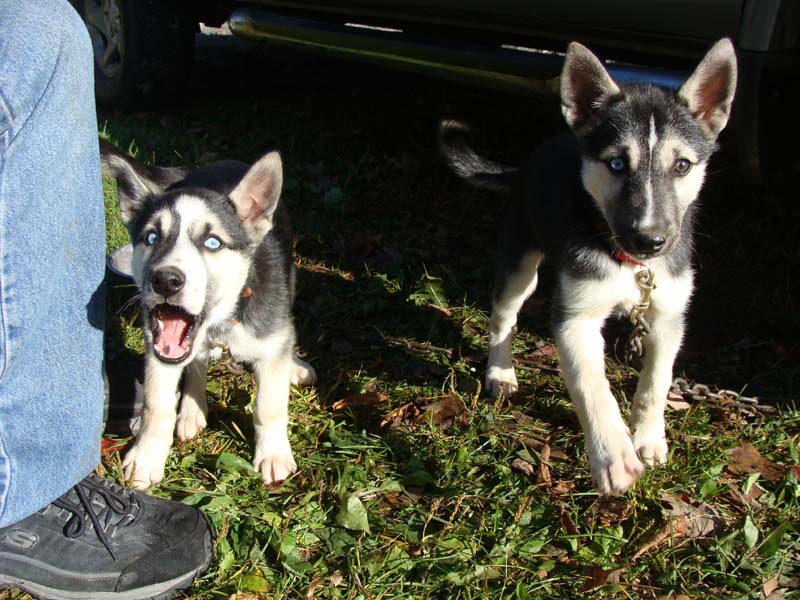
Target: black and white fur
x=212 y=258
x=625 y=178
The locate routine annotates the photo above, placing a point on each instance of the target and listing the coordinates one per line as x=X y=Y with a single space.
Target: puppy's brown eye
x=682 y=166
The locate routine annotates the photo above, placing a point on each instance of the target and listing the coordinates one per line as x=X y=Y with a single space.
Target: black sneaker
x=103 y=541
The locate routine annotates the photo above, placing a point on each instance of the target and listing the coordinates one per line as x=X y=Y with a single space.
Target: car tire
x=143 y=50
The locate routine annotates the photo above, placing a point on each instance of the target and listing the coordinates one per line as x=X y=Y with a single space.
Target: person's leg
x=64 y=534
x=51 y=257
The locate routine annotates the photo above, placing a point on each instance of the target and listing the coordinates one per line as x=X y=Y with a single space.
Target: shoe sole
x=158 y=591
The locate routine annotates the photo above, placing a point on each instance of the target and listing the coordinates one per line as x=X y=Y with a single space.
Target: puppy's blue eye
x=151 y=238
x=616 y=164
x=212 y=243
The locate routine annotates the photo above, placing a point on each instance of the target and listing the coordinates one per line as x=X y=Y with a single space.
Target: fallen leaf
x=749 y=498
x=676 y=402
x=562 y=488
x=365 y=400
x=536 y=444
x=524 y=467
x=543 y=475
x=403 y=418
x=568 y=522
x=608 y=511
x=446 y=412
x=746 y=459
x=334 y=580
x=684 y=521
x=442 y=413
x=601 y=577
x=692 y=521
x=396 y=500
x=543 y=351
x=522 y=418
x=769 y=589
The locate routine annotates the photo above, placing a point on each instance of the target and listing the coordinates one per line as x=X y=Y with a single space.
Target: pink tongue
x=170 y=342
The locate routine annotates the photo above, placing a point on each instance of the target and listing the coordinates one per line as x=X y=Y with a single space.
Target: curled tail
x=466 y=164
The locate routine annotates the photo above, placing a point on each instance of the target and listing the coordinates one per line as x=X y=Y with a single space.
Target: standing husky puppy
x=212 y=257
x=614 y=196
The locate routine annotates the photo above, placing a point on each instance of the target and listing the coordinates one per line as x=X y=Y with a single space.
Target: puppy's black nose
x=648 y=243
x=167 y=281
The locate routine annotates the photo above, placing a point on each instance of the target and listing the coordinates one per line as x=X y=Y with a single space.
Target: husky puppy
x=601 y=202
x=212 y=257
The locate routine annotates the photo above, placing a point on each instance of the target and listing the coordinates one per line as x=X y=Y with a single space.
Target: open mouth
x=173 y=332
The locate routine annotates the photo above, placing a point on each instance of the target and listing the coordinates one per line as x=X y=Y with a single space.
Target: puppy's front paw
x=143 y=464
x=650 y=442
x=191 y=421
x=303 y=373
x=499 y=380
x=615 y=466
x=274 y=460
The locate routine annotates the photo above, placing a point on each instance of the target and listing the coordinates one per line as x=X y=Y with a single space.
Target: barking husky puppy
x=212 y=258
x=606 y=202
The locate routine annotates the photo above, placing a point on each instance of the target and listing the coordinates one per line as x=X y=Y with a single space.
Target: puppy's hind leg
x=194 y=410
x=512 y=289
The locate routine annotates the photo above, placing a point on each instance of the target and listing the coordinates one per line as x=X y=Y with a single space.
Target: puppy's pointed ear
x=709 y=91
x=586 y=86
x=257 y=195
x=134 y=187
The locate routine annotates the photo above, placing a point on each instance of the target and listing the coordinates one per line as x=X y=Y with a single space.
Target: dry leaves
x=524 y=467
x=601 y=577
x=745 y=459
x=543 y=352
x=684 y=521
x=748 y=498
x=334 y=580
x=443 y=413
x=367 y=400
x=769 y=586
x=676 y=402
x=608 y=511
x=538 y=445
x=541 y=474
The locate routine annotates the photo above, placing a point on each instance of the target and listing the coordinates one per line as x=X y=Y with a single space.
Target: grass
x=395 y=264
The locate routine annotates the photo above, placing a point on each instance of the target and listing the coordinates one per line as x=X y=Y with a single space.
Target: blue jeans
x=51 y=257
